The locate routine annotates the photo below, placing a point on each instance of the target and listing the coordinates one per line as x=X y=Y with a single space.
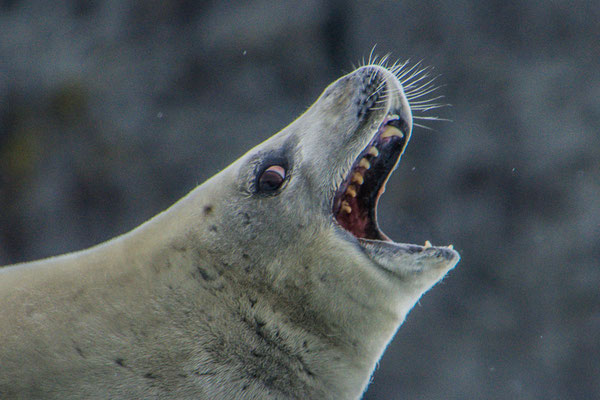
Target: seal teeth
x=351 y=191
x=364 y=163
x=373 y=151
x=358 y=178
x=390 y=131
x=450 y=246
x=427 y=244
x=346 y=207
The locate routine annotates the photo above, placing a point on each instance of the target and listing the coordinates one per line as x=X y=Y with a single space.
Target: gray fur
x=228 y=294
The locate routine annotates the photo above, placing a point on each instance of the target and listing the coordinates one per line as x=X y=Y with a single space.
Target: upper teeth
x=346 y=207
x=364 y=163
x=391 y=131
x=358 y=178
x=351 y=191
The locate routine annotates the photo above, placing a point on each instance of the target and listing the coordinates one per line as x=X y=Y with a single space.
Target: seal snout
x=382 y=104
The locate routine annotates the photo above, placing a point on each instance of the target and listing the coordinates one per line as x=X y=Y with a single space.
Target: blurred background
x=110 y=111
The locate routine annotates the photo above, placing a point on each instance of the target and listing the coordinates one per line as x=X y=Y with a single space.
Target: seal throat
x=355 y=202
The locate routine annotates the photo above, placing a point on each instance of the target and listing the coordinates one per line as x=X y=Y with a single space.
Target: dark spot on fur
x=305 y=344
x=252 y=302
x=257 y=354
x=120 y=362
x=245 y=387
x=182 y=375
x=213 y=228
x=259 y=328
x=259 y=323
x=178 y=247
x=411 y=249
x=204 y=373
x=304 y=366
x=78 y=294
x=204 y=275
x=208 y=209
x=245 y=256
x=79 y=351
x=150 y=375
x=323 y=278
x=246 y=219
x=270 y=381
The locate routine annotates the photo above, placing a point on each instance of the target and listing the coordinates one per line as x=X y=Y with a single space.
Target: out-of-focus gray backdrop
x=112 y=110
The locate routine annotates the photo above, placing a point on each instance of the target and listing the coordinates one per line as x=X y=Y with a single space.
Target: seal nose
x=382 y=89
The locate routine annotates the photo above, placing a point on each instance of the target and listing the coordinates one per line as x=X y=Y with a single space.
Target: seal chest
x=272 y=280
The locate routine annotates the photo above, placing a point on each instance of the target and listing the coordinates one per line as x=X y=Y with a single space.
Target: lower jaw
x=403 y=258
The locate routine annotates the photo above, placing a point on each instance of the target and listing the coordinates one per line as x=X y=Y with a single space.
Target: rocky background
x=112 y=110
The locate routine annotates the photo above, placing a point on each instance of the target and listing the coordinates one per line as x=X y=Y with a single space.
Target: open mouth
x=355 y=202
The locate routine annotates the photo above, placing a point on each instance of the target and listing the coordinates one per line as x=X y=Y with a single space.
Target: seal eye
x=271 y=179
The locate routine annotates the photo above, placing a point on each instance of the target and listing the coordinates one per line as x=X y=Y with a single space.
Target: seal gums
x=355 y=202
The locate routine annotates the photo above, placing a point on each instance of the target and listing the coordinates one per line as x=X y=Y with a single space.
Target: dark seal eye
x=271 y=179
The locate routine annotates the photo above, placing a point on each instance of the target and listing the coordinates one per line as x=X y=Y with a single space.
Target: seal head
x=272 y=280
x=334 y=163
x=304 y=208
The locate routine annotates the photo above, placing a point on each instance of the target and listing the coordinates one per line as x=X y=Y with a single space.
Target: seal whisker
x=402 y=74
x=416 y=73
x=423 y=93
x=417 y=82
x=429 y=108
x=371 y=54
x=398 y=66
x=431 y=118
x=413 y=87
x=377 y=90
x=419 y=76
x=383 y=60
x=423 y=126
x=427 y=101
